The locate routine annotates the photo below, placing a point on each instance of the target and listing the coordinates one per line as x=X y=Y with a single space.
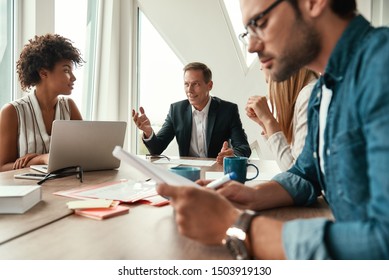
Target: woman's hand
x=257 y=109
x=23 y=161
x=30 y=159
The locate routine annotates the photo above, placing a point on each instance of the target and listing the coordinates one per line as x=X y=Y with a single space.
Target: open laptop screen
x=88 y=144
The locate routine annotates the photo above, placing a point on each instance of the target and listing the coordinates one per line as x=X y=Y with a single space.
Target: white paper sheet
x=155 y=172
x=126 y=191
x=190 y=162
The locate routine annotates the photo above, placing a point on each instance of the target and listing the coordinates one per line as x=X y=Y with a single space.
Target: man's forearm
x=265 y=239
x=270 y=195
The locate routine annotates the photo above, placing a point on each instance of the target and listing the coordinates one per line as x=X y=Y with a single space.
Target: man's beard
x=304 y=49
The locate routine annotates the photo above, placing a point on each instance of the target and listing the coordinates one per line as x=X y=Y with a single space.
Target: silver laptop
x=88 y=144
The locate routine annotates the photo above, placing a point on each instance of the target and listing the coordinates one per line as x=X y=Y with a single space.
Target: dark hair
x=343 y=8
x=44 y=52
x=207 y=73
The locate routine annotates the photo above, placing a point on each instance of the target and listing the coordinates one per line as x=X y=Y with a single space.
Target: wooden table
x=50 y=231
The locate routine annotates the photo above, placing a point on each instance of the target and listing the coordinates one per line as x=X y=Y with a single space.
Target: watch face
x=237 y=235
x=237 y=248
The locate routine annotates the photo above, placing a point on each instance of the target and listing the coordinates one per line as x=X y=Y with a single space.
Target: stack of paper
x=102 y=213
x=127 y=191
x=98 y=209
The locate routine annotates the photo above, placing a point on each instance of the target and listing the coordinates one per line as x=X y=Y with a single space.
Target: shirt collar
x=345 y=49
x=206 y=108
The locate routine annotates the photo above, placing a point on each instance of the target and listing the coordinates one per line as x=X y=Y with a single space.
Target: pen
x=218 y=182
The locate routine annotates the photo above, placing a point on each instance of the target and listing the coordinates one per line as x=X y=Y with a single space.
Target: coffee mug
x=192 y=173
x=239 y=166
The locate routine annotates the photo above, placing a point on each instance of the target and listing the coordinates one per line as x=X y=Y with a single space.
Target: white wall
x=35 y=17
x=380 y=12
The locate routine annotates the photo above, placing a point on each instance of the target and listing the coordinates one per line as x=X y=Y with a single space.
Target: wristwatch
x=236 y=237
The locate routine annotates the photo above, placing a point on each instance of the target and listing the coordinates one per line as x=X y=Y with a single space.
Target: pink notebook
x=102 y=213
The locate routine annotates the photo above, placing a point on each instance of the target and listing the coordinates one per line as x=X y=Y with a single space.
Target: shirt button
x=328 y=152
x=314 y=155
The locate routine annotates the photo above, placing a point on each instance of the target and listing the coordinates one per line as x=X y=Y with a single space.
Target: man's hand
x=142 y=122
x=201 y=213
x=241 y=196
x=238 y=194
x=224 y=152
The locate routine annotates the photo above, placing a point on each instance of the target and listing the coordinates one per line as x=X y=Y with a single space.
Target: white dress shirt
x=198 y=141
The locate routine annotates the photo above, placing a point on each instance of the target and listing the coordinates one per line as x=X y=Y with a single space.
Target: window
x=235 y=16
x=7 y=62
x=81 y=29
x=77 y=21
x=160 y=78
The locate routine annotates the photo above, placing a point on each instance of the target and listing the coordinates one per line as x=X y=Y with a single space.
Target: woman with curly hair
x=45 y=64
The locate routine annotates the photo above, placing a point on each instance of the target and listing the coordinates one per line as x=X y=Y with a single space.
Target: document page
x=157 y=173
x=191 y=162
x=126 y=191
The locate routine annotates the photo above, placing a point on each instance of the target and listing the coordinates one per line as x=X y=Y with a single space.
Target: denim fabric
x=356 y=180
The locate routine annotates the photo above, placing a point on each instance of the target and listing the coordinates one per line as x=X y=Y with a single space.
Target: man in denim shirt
x=346 y=154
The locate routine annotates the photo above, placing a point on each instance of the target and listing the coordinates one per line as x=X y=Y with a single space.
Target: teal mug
x=239 y=166
x=192 y=173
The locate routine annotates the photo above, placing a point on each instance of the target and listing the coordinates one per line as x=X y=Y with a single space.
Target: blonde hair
x=283 y=96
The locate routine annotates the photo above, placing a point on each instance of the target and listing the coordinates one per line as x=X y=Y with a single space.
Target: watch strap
x=237 y=235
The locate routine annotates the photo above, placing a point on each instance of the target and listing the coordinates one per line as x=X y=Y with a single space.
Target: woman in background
x=284 y=120
x=45 y=63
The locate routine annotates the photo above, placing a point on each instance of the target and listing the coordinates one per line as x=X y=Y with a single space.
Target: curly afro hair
x=43 y=52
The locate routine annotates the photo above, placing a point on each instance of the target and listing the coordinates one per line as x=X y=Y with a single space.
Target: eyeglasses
x=253 y=28
x=64 y=172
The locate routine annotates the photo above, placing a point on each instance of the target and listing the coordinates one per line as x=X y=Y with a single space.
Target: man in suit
x=203 y=125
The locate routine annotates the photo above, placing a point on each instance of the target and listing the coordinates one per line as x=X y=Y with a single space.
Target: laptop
x=88 y=144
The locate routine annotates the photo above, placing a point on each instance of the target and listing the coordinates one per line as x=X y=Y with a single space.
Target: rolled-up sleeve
x=301 y=190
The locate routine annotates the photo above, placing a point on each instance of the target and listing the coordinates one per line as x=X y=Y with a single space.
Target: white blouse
x=284 y=153
x=32 y=134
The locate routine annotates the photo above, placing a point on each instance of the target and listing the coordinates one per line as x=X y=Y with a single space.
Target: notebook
x=88 y=144
x=102 y=213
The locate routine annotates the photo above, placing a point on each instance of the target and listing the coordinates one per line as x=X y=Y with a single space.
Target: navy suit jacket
x=223 y=124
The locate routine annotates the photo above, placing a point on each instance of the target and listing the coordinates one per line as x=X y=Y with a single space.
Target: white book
x=19 y=198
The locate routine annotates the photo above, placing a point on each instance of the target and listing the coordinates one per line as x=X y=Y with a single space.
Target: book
x=19 y=198
x=102 y=213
